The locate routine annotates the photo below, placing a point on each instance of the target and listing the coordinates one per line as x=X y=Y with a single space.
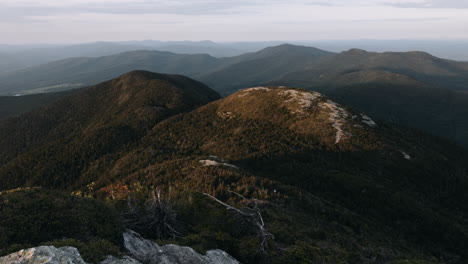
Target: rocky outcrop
x=44 y=254
x=149 y=252
x=140 y=250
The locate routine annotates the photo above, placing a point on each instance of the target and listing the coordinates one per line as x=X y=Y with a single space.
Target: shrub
x=155 y=219
x=37 y=215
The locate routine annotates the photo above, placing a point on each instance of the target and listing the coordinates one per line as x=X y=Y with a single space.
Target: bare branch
x=254 y=216
x=238 y=195
x=228 y=206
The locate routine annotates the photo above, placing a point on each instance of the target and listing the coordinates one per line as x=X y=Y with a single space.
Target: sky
x=78 y=21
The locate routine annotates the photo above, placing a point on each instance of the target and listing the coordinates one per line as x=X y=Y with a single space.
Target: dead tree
x=253 y=215
x=155 y=218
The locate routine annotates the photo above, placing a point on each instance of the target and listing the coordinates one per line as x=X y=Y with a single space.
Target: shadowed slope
x=333 y=184
x=78 y=72
x=94 y=122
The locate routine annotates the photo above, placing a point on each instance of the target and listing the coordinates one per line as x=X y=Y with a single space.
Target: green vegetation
x=413 y=89
x=380 y=194
x=11 y=106
x=437 y=111
x=30 y=217
x=109 y=117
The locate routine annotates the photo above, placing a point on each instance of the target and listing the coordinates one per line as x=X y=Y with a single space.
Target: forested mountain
x=79 y=72
x=23 y=57
x=263 y=66
x=332 y=184
x=415 y=88
x=15 y=57
x=95 y=122
x=11 y=106
x=302 y=66
x=432 y=109
x=214 y=50
x=415 y=65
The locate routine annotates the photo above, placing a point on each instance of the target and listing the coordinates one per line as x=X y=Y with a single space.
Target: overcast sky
x=73 y=21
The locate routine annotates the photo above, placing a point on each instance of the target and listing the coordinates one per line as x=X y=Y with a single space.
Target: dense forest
x=329 y=183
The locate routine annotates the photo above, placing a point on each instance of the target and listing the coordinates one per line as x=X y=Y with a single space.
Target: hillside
x=79 y=72
x=435 y=110
x=333 y=185
x=415 y=89
x=419 y=66
x=95 y=122
x=284 y=63
x=11 y=106
x=402 y=76
x=268 y=64
x=397 y=98
x=23 y=57
x=215 y=50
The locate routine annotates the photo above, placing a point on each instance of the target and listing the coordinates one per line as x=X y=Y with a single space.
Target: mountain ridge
x=332 y=184
x=342 y=76
x=89 y=71
x=82 y=71
x=111 y=114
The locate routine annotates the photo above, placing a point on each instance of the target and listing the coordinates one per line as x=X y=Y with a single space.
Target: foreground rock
x=149 y=252
x=44 y=254
x=140 y=250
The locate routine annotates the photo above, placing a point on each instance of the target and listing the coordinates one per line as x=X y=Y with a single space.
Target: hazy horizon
x=286 y=41
x=84 y=21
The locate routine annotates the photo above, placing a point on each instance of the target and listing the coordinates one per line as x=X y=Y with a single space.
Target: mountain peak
x=141 y=75
x=356 y=51
x=304 y=111
x=295 y=48
x=150 y=86
x=410 y=55
x=105 y=117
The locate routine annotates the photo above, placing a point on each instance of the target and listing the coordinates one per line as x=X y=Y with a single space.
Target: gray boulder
x=44 y=254
x=140 y=250
x=149 y=252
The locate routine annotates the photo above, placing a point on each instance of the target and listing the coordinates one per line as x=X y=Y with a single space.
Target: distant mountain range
x=447 y=49
x=414 y=89
x=79 y=72
x=14 y=57
x=420 y=66
x=21 y=56
x=299 y=65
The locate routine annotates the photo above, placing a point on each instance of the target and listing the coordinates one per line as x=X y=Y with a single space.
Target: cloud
x=226 y=20
x=23 y=10
x=428 y=3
